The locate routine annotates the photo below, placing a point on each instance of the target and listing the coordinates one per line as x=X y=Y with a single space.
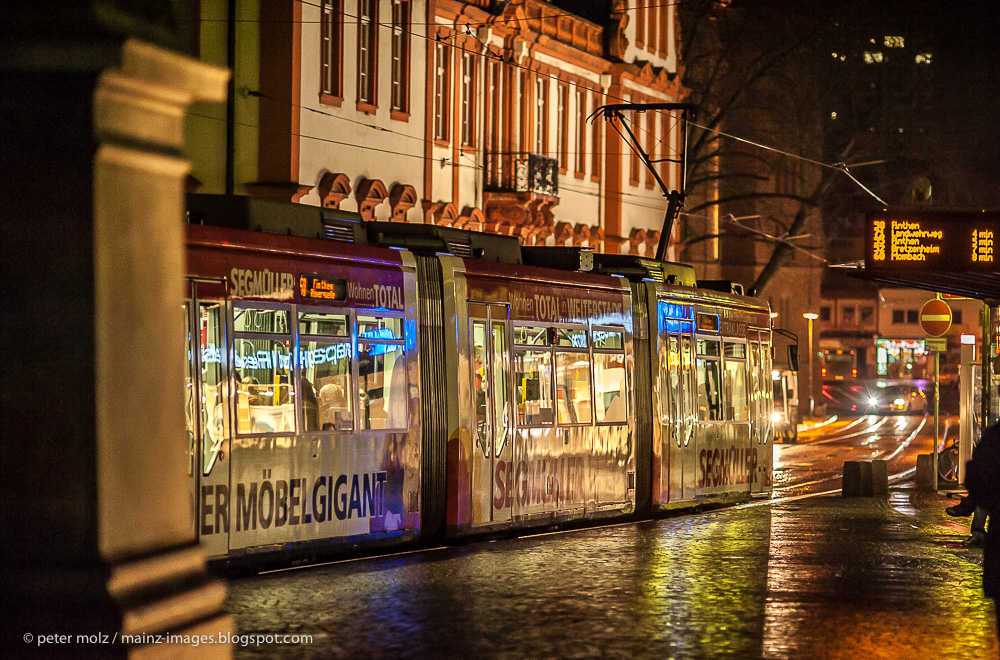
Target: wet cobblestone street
x=821 y=577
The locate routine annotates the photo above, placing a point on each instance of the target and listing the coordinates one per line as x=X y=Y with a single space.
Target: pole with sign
x=935 y=319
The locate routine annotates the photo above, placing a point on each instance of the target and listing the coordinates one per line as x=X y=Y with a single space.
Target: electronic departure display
x=322 y=287
x=931 y=241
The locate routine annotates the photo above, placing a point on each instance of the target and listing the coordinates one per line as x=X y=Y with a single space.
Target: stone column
x=97 y=533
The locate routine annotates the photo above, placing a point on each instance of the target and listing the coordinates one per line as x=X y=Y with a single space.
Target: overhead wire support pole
x=675 y=198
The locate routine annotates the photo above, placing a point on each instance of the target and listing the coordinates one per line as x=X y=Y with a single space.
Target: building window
x=847 y=313
x=640 y=23
x=596 y=151
x=650 y=146
x=401 y=56
x=581 y=131
x=867 y=314
x=468 y=99
x=562 y=127
x=824 y=313
x=367 y=54
x=956 y=317
x=541 y=115
x=633 y=161
x=491 y=124
x=898 y=316
x=332 y=57
x=665 y=154
x=664 y=22
x=651 y=25
x=912 y=316
x=442 y=76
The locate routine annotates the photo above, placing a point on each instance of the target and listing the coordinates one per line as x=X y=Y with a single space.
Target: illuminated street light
x=811 y=316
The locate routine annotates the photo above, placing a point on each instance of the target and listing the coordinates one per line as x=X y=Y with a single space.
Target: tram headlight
x=776 y=417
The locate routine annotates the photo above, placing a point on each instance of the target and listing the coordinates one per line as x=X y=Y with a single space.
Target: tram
x=356 y=386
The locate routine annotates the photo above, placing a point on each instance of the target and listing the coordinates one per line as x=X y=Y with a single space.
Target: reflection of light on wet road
x=874 y=424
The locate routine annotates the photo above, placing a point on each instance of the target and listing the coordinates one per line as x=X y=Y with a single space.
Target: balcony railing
x=522 y=172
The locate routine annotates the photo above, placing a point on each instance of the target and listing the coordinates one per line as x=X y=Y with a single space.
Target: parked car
x=897 y=399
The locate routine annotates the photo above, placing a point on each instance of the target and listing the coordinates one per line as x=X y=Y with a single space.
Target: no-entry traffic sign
x=935 y=317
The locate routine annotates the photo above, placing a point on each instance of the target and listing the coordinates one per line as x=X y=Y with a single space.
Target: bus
x=839 y=364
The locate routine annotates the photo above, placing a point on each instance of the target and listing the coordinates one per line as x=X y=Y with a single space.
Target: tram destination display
x=322 y=287
x=931 y=241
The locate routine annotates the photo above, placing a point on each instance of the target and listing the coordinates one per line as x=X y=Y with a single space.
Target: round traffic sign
x=935 y=317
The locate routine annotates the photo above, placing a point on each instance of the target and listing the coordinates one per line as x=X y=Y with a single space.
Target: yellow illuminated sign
x=931 y=241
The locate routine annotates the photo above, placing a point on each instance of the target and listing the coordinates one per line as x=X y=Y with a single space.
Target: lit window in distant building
x=895 y=42
x=912 y=316
x=367 y=52
x=824 y=313
x=923 y=58
x=468 y=99
x=898 y=316
x=541 y=115
x=872 y=57
x=562 y=127
x=442 y=68
x=833 y=115
x=401 y=56
x=332 y=55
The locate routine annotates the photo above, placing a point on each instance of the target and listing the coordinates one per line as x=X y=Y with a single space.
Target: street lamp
x=811 y=316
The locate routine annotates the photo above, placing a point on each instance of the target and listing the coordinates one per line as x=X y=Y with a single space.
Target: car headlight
x=899 y=401
x=872 y=401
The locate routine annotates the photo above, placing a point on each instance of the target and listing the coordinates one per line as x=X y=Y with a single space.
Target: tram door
x=492 y=476
x=208 y=422
x=677 y=405
x=761 y=407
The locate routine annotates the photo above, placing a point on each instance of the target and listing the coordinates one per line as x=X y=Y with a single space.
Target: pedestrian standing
x=982 y=477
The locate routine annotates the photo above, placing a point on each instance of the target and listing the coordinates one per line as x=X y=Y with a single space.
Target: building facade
x=477 y=115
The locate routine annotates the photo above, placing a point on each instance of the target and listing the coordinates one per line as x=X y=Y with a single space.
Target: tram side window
x=325 y=369
x=533 y=376
x=709 y=381
x=609 y=377
x=265 y=398
x=213 y=412
x=382 y=371
x=735 y=382
x=573 y=378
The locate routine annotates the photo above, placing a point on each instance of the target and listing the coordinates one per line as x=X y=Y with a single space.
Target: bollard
x=925 y=471
x=880 y=479
x=857 y=480
x=865 y=479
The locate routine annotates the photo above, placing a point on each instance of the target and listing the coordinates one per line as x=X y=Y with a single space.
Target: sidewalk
x=804 y=578
x=870 y=578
